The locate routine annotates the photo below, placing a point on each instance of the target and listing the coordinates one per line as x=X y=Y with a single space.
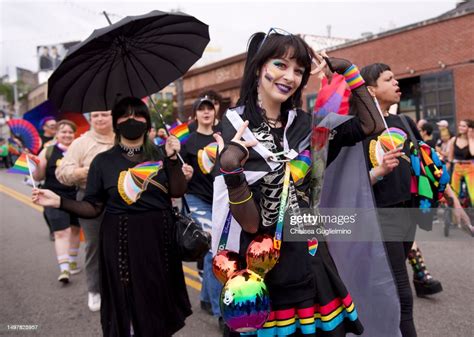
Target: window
x=437 y=96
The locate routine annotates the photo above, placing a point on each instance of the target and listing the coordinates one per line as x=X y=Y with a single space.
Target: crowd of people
x=119 y=183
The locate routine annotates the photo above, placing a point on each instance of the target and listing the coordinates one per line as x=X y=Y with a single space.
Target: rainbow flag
x=181 y=131
x=299 y=167
x=24 y=165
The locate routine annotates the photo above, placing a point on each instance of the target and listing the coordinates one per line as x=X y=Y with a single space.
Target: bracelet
x=353 y=77
x=174 y=154
x=241 y=202
x=236 y=171
x=379 y=178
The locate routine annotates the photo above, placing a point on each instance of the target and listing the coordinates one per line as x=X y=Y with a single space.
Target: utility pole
x=16 y=105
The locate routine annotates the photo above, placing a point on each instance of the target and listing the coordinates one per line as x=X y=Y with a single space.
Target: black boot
x=424 y=283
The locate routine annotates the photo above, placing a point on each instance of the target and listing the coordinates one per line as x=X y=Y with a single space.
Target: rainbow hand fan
x=26 y=132
x=390 y=139
x=133 y=182
x=207 y=157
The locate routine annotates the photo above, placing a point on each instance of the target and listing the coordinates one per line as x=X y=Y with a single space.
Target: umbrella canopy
x=137 y=56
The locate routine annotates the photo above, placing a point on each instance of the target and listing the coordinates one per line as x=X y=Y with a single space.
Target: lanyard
x=281 y=211
x=225 y=233
x=281 y=216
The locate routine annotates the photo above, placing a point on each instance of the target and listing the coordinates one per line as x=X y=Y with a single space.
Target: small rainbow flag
x=299 y=167
x=23 y=165
x=181 y=131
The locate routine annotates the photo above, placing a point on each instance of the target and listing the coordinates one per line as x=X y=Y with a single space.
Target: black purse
x=192 y=241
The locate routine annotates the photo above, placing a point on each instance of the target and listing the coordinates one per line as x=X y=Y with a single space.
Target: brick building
x=433 y=60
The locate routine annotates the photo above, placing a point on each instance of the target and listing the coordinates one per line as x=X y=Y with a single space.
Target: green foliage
x=23 y=89
x=165 y=107
x=6 y=90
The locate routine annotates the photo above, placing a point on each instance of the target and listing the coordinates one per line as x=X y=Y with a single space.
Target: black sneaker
x=206 y=306
x=221 y=324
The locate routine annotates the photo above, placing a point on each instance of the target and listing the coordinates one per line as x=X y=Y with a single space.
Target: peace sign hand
x=235 y=154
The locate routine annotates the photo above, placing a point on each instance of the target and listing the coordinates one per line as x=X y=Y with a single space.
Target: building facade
x=433 y=61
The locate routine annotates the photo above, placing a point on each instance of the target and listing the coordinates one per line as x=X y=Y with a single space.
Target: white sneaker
x=94 y=302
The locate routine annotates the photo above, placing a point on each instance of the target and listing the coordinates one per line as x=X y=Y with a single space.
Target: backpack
x=428 y=180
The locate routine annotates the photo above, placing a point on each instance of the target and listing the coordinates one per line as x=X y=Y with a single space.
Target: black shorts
x=59 y=219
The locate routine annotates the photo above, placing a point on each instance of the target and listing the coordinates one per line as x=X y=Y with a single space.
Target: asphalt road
x=31 y=296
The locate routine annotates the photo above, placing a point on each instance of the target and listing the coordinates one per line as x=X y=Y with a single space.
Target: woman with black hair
x=142 y=282
x=306 y=293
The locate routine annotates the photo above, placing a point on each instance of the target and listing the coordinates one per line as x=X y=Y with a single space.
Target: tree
x=166 y=108
x=6 y=89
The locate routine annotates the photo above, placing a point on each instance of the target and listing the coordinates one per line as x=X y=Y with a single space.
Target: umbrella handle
x=164 y=124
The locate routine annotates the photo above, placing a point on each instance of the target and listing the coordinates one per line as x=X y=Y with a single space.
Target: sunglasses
x=273 y=30
x=283 y=32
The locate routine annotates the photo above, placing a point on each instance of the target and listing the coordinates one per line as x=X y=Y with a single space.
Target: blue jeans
x=211 y=288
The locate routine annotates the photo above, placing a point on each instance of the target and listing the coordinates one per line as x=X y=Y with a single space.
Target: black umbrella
x=137 y=56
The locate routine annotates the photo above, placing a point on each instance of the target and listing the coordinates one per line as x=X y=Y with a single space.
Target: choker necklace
x=272 y=122
x=131 y=150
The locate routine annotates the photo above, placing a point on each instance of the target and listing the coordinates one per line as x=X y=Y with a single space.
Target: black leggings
x=397 y=254
x=398 y=231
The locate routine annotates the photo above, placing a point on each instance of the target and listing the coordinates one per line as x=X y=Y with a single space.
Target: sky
x=24 y=25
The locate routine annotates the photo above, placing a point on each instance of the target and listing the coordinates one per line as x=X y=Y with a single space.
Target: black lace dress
x=142 y=281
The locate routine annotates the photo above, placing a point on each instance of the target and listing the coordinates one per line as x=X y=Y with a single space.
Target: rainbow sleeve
x=353 y=78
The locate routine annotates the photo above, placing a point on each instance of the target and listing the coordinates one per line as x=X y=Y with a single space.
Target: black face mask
x=131 y=129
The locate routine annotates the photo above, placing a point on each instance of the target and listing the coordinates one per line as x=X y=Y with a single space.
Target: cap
x=197 y=103
x=444 y=123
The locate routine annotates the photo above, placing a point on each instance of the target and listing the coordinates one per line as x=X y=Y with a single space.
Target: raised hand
x=45 y=198
x=172 y=146
x=236 y=153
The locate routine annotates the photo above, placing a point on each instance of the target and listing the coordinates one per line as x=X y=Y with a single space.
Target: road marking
x=194 y=284
x=26 y=200
x=20 y=197
x=190 y=271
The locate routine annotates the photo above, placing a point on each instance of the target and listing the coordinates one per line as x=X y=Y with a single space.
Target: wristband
x=353 y=77
x=378 y=178
x=234 y=180
x=174 y=154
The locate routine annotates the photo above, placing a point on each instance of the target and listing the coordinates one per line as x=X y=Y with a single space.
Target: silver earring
x=259 y=97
